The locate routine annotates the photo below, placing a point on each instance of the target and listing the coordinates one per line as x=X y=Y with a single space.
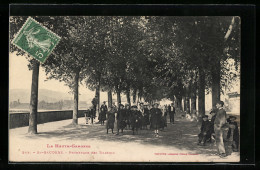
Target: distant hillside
x=47 y=95
x=52 y=96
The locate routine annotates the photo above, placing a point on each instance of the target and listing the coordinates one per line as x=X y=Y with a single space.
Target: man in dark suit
x=171 y=110
x=102 y=116
x=219 y=122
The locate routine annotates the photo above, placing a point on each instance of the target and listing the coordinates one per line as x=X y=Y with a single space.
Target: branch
x=229 y=29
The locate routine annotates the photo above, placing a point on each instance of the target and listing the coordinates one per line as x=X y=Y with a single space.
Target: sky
x=20 y=77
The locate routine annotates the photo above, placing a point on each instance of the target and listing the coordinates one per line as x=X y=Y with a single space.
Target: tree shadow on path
x=182 y=134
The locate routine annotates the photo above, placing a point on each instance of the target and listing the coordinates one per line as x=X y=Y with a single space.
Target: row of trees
x=144 y=57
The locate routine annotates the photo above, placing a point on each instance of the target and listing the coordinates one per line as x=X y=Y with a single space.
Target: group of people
x=219 y=129
x=136 y=117
x=224 y=130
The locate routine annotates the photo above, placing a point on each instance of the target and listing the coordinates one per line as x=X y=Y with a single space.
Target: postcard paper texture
x=124 y=89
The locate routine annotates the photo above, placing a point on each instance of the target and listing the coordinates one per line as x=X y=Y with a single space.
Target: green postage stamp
x=36 y=40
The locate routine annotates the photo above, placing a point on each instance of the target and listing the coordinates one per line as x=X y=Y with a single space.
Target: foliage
x=157 y=56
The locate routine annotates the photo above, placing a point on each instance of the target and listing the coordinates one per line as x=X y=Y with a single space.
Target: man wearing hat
x=233 y=133
x=156 y=116
x=219 y=122
x=171 y=110
x=204 y=134
x=103 y=113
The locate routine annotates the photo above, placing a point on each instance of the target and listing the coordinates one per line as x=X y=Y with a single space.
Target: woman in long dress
x=146 y=117
x=120 y=118
x=156 y=116
x=164 y=117
x=110 y=119
x=135 y=119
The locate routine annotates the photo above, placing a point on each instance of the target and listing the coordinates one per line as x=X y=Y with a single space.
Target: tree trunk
x=175 y=102
x=201 y=93
x=138 y=97
x=109 y=95
x=118 y=98
x=215 y=73
x=184 y=104
x=34 y=99
x=193 y=103
x=188 y=105
x=229 y=29
x=128 y=97
x=76 y=98
x=179 y=102
x=98 y=99
x=172 y=100
x=134 y=95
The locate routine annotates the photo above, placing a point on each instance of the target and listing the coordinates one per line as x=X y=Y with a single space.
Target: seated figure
x=205 y=131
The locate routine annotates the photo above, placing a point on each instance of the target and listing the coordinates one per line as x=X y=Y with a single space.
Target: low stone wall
x=22 y=119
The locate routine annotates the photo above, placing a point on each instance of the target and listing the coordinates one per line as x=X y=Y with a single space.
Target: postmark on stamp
x=36 y=40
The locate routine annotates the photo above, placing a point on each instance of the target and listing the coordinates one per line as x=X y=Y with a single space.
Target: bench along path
x=60 y=141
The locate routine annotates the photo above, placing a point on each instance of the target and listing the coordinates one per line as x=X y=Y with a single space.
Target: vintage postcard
x=124 y=89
